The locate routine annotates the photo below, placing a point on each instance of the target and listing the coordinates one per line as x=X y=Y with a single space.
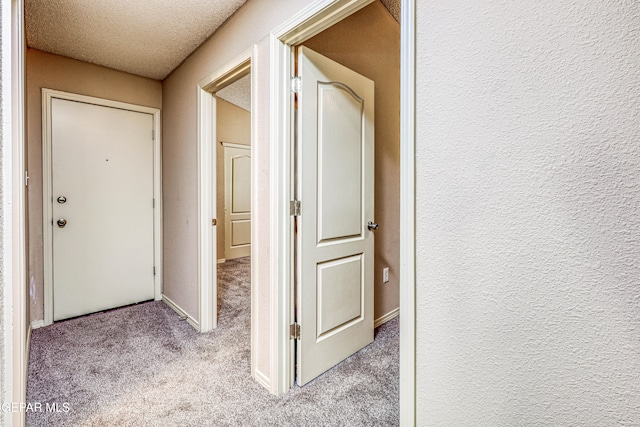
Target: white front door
x=335 y=154
x=237 y=201
x=102 y=182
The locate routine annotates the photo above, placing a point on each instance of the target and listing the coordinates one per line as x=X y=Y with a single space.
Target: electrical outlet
x=385 y=275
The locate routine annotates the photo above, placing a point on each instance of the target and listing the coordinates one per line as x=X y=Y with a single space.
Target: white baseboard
x=221 y=261
x=190 y=320
x=36 y=324
x=262 y=379
x=386 y=317
x=193 y=322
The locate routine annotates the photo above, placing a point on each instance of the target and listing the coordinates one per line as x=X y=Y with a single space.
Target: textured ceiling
x=393 y=6
x=145 y=37
x=238 y=93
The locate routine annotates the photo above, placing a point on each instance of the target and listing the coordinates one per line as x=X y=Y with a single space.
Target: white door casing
x=207 y=231
x=335 y=186
x=237 y=200
x=102 y=164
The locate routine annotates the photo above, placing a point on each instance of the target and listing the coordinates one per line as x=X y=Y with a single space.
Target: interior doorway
x=366 y=42
x=226 y=196
x=304 y=26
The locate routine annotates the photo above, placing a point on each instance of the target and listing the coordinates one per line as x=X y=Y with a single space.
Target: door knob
x=62 y=222
x=372 y=226
x=61 y=199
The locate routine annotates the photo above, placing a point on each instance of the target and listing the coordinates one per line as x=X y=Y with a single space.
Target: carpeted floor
x=144 y=366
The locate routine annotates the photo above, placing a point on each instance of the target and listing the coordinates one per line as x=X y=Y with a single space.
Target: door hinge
x=294 y=208
x=154 y=270
x=153 y=134
x=214 y=221
x=296 y=84
x=153 y=203
x=294 y=330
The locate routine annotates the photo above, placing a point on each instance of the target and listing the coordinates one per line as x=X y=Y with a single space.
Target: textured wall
x=368 y=42
x=45 y=70
x=233 y=124
x=528 y=194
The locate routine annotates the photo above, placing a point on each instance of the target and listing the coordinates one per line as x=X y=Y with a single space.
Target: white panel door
x=237 y=201
x=102 y=182
x=335 y=148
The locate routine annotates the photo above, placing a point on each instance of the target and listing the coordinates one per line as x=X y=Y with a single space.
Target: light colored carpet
x=144 y=366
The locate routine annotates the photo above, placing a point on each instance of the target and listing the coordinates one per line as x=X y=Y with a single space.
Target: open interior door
x=335 y=154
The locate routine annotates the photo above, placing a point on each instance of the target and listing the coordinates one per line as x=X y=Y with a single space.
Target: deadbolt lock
x=61 y=199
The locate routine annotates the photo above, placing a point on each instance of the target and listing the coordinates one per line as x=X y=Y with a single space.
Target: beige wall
x=233 y=124
x=369 y=42
x=45 y=70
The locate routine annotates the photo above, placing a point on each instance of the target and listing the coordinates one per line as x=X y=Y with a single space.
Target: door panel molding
x=330 y=322
x=47 y=196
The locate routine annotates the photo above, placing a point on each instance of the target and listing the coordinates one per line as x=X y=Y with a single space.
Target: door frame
x=310 y=21
x=207 y=266
x=47 y=193
x=13 y=243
